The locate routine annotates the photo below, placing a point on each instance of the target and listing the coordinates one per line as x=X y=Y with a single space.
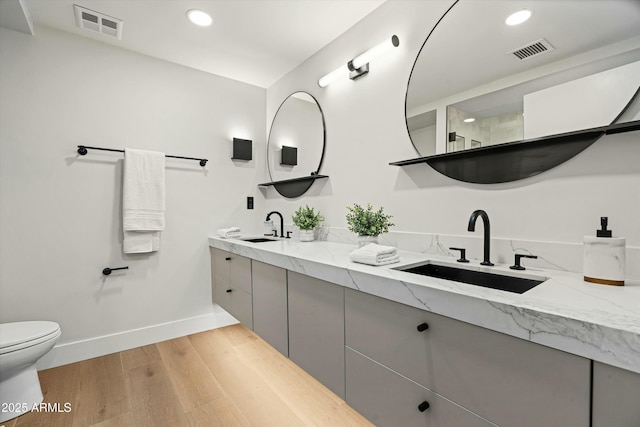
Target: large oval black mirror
x=296 y=144
x=478 y=82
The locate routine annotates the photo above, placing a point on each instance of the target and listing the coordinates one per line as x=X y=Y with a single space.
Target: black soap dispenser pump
x=604 y=256
x=603 y=232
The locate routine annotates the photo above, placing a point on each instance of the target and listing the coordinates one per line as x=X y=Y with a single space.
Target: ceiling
x=253 y=41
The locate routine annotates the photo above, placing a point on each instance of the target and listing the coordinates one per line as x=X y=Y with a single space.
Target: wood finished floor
x=224 y=377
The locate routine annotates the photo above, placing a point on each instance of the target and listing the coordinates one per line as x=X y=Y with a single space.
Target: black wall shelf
x=516 y=160
x=293 y=187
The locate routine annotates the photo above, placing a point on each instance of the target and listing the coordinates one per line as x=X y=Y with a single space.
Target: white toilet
x=21 y=345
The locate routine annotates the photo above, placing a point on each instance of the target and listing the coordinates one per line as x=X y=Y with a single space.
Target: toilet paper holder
x=107 y=271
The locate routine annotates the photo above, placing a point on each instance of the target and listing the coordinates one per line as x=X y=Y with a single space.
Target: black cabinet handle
x=228 y=258
x=422 y=327
x=423 y=406
x=229 y=291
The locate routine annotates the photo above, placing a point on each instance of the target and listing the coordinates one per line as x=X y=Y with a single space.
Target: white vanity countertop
x=598 y=322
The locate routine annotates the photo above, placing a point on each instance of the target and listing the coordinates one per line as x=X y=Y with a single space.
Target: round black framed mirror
x=478 y=83
x=296 y=144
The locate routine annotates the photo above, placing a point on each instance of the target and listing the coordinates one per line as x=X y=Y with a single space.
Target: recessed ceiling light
x=518 y=18
x=199 y=17
x=469 y=120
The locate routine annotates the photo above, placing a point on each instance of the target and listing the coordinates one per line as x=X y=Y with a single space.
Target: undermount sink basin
x=258 y=239
x=517 y=284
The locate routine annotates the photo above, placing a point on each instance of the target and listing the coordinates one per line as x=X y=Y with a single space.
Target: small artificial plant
x=367 y=222
x=306 y=218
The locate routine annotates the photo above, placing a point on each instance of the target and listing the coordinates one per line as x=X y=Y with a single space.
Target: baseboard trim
x=77 y=351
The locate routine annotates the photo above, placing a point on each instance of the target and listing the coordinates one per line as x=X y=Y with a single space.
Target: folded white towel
x=374 y=254
x=226 y=233
x=143 y=200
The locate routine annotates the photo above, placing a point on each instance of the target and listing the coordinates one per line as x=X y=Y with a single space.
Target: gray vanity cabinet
x=509 y=381
x=231 y=280
x=388 y=399
x=616 y=397
x=316 y=329
x=270 y=305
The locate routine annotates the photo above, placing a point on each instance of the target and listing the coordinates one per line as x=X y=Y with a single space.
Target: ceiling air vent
x=98 y=22
x=532 y=49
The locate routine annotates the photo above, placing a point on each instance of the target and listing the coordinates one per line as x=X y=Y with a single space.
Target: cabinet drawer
x=231 y=269
x=240 y=272
x=616 y=396
x=509 y=381
x=388 y=399
x=220 y=294
x=239 y=306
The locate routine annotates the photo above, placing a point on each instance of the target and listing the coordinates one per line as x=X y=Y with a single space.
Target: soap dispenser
x=604 y=257
x=267 y=227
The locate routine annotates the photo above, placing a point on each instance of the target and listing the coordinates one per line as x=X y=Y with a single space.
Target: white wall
x=366 y=130
x=60 y=221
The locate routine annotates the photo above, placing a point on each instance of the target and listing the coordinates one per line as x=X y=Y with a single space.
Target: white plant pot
x=306 y=235
x=365 y=240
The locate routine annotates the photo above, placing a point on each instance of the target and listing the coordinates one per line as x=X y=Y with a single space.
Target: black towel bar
x=82 y=150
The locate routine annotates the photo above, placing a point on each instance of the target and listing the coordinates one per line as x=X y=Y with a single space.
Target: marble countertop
x=593 y=321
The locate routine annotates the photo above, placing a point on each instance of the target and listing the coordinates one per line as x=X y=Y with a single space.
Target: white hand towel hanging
x=143 y=200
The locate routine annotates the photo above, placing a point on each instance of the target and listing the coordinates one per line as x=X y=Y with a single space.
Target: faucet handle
x=463 y=254
x=275 y=232
x=288 y=235
x=517 y=265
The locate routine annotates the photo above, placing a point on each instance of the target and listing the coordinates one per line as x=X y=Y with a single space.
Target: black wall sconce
x=242 y=149
x=289 y=156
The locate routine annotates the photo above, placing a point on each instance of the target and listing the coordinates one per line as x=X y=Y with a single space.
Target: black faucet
x=281 y=222
x=487 y=232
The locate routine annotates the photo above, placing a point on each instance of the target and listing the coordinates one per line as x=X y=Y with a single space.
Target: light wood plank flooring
x=224 y=377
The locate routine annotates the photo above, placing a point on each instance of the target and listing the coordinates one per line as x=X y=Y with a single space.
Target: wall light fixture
x=359 y=66
x=289 y=156
x=242 y=149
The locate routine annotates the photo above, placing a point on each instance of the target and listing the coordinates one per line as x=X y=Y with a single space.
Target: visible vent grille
x=532 y=49
x=98 y=22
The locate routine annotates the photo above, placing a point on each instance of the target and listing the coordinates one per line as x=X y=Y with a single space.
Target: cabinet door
x=388 y=399
x=270 y=305
x=616 y=397
x=510 y=381
x=316 y=329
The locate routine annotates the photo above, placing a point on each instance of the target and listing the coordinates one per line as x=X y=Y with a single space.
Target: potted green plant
x=306 y=219
x=368 y=223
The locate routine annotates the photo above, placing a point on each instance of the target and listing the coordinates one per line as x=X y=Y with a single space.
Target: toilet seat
x=19 y=335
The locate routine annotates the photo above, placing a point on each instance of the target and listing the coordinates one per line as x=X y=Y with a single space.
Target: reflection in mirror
x=422 y=128
x=297 y=131
x=573 y=65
